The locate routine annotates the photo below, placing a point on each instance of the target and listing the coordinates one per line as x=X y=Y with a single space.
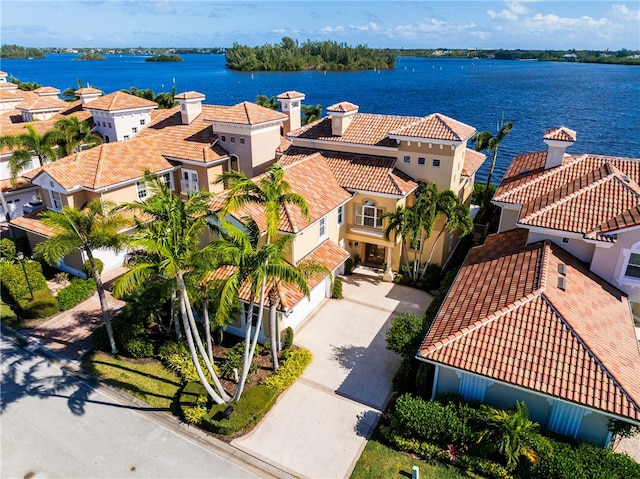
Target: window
x=141 y=187
x=142 y=122
x=436 y=163
x=233 y=139
x=407 y=159
x=109 y=124
x=166 y=179
x=565 y=240
x=340 y=215
x=242 y=141
x=254 y=316
x=633 y=267
x=421 y=161
x=368 y=215
x=56 y=199
x=126 y=137
x=295 y=104
x=223 y=138
x=134 y=129
x=322 y=228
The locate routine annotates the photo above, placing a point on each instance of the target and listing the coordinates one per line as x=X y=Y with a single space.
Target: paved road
x=52 y=425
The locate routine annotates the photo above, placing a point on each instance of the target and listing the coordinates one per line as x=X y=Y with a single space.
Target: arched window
x=106 y=138
x=367 y=214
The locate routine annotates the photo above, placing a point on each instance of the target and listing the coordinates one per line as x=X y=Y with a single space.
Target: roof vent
x=562 y=283
x=625 y=178
x=562 y=269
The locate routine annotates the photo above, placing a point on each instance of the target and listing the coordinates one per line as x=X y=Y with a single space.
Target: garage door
x=304 y=308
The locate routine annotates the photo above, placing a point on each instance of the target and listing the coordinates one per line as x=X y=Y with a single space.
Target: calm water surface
x=600 y=102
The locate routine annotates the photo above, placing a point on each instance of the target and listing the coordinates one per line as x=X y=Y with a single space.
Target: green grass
x=381 y=462
x=149 y=382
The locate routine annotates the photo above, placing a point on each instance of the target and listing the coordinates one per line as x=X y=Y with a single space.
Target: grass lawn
x=150 y=382
x=381 y=462
x=7 y=315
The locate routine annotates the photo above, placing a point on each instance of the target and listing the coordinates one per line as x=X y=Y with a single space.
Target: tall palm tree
x=94 y=226
x=272 y=192
x=401 y=224
x=484 y=140
x=168 y=246
x=311 y=113
x=512 y=434
x=268 y=102
x=254 y=265
x=75 y=133
x=30 y=144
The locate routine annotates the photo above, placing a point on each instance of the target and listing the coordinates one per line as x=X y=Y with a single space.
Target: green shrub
x=405 y=334
x=14 y=281
x=77 y=291
x=232 y=360
x=291 y=370
x=336 y=292
x=88 y=270
x=138 y=348
x=177 y=358
x=288 y=338
x=348 y=266
x=431 y=277
x=7 y=249
x=424 y=378
x=404 y=378
x=252 y=406
x=100 y=339
x=43 y=305
x=195 y=414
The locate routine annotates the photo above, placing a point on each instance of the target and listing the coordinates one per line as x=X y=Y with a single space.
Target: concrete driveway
x=319 y=427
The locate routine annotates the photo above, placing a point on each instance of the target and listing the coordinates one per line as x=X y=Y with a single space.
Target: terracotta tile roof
x=119 y=100
x=7 y=85
x=561 y=133
x=245 y=113
x=436 y=127
x=107 y=164
x=342 y=107
x=311 y=178
x=290 y=95
x=184 y=142
x=21 y=183
x=11 y=95
x=506 y=318
x=31 y=222
x=365 y=129
x=328 y=253
x=42 y=103
x=587 y=194
x=472 y=161
x=87 y=90
x=284 y=144
x=46 y=90
x=190 y=95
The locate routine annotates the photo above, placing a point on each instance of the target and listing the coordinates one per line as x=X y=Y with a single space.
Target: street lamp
x=20 y=257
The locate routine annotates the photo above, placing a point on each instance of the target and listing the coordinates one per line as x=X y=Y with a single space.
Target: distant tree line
x=91 y=56
x=288 y=55
x=164 y=58
x=15 y=51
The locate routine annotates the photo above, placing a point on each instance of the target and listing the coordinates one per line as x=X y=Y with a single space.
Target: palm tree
x=401 y=224
x=271 y=192
x=168 y=244
x=271 y=103
x=311 y=113
x=94 y=226
x=27 y=145
x=74 y=134
x=146 y=94
x=512 y=434
x=484 y=140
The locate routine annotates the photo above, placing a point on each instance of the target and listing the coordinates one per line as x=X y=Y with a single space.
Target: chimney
x=291 y=102
x=88 y=94
x=558 y=139
x=190 y=105
x=341 y=116
x=47 y=91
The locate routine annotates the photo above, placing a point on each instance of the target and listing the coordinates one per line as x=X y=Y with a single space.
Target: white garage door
x=302 y=310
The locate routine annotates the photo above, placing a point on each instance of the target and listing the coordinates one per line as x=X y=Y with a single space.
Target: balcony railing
x=187 y=187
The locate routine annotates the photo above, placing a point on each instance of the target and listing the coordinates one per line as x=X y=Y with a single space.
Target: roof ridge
x=98 y=170
x=289 y=215
x=568 y=197
x=618 y=175
x=590 y=352
x=490 y=318
x=543 y=176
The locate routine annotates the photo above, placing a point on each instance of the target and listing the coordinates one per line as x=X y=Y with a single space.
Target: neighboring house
x=544 y=311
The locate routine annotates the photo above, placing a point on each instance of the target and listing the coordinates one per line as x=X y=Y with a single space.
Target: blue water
x=600 y=102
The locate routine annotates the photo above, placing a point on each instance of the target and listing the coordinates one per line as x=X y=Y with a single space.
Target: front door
x=374 y=254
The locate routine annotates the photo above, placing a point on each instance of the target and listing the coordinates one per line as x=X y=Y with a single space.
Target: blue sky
x=417 y=24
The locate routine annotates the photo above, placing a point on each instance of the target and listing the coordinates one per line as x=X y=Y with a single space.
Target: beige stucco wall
x=446 y=176
x=126 y=193
x=611 y=263
x=508 y=219
x=580 y=249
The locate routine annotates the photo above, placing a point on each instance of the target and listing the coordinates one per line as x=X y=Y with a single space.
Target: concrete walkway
x=319 y=427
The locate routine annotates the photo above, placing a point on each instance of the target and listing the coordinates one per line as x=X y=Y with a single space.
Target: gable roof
x=472 y=161
x=342 y=107
x=560 y=133
x=119 y=100
x=245 y=113
x=506 y=317
x=589 y=194
x=290 y=95
x=352 y=171
x=436 y=127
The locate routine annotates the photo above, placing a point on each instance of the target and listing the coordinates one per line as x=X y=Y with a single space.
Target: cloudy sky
x=418 y=24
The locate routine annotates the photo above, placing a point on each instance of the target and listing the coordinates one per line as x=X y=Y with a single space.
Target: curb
x=249 y=462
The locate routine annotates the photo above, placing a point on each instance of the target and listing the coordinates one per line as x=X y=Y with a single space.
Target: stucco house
x=544 y=311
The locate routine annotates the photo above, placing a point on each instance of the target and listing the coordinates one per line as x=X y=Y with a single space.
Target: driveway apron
x=319 y=427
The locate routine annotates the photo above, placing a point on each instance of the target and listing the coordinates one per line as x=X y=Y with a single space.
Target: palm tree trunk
x=249 y=357
x=182 y=290
x=433 y=248
x=103 y=302
x=207 y=326
x=194 y=355
x=490 y=174
x=174 y=315
x=273 y=338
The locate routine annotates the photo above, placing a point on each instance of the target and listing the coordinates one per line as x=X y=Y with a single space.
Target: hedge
x=291 y=370
x=43 y=305
x=77 y=291
x=14 y=281
x=130 y=335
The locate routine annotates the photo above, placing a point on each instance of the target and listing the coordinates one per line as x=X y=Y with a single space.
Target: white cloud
x=163 y=7
x=504 y=14
x=625 y=13
x=518 y=8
